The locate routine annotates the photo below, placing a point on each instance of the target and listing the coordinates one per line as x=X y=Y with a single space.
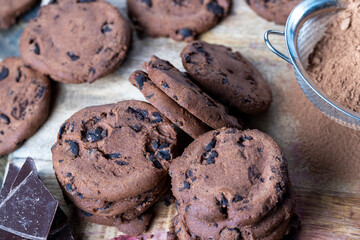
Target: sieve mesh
x=306 y=37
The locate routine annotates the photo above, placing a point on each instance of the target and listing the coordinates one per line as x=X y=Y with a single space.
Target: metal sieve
x=304 y=29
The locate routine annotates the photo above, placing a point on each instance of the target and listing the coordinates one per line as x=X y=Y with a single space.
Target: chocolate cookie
x=93 y=42
x=24 y=103
x=133 y=227
x=178 y=19
x=11 y=9
x=179 y=87
x=129 y=207
x=230 y=174
x=275 y=10
x=114 y=151
x=227 y=76
x=174 y=112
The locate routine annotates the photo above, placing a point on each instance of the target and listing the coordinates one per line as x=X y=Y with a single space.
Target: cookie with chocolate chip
x=132 y=227
x=178 y=19
x=228 y=174
x=94 y=40
x=24 y=103
x=180 y=88
x=114 y=151
x=276 y=10
x=173 y=111
x=11 y=9
x=227 y=76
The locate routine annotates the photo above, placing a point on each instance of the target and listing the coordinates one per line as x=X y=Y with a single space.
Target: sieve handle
x=272 y=48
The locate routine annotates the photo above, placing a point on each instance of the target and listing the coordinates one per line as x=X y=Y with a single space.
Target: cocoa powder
x=335 y=62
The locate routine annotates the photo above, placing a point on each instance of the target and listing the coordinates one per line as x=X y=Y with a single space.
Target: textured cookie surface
x=93 y=42
x=113 y=152
x=179 y=87
x=274 y=10
x=178 y=19
x=174 y=112
x=227 y=76
x=11 y=9
x=230 y=174
x=24 y=103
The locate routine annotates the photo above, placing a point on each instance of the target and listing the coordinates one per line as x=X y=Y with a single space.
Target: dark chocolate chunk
x=215 y=8
x=36 y=49
x=4 y=73
x=186 y=186
x=95 y=135
x=10 y=178
x=185 y=32
x=74 y=147
x=136 y=128
x=157 y=117
x=121 y=163
x=140 y=79
x=5 y=118
x=164 y=155
x=72 y=56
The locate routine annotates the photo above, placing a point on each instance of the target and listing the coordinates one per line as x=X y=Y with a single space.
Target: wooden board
x=324 y=157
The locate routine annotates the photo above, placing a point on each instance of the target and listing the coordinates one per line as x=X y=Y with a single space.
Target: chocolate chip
x=164 y=155
x=165 y=85
x=140 y=79
x=279 y=187
x=36 y=49
x=237 y=198
x=62 y=130
x=199 y=47
x=154 y=160
x=253 y=174
x=105 y=28
x=68 y=187
x=74 y=147
x=157 y=117
x=147 y=2
x=243 y=139
x=186 y=186
x=215 y=8
x=18 y=77
x=121 y=163
x=189 y=173
x=164 y=145
x=79 y=195
x=149 y=96
x=210 y=157
x=187 y=208
x=4 y=73
x=225 y=81
x=136 y=128
x=86 y=213
x=72 y=56
x=85 y=1
x=5 y=118
x=210 y=145
x=139 y=113
x=92 y=70
x=40 y=92
x=251 y=80
x=187 y=59
x=185 y=32
x=112 y=155
x=224 y=201
x=94 y=135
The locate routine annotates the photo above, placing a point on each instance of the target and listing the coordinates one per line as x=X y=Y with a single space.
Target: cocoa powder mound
x=335 y=63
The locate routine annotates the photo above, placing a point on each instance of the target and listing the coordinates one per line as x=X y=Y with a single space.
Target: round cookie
x=133 y=227
x=276 y=10
x=269 y=224
x=227 y=76
x=94 y=40
x=24 y=103
x=232 y=174
x=127 y=207
x=179 y=87
x=174 y=112
x=11 y=9
x=178 y=19
x=114 y=151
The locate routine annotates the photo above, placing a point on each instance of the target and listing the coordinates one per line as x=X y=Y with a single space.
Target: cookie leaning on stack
x=111 y=162
x=232 y=184
x=183 y=102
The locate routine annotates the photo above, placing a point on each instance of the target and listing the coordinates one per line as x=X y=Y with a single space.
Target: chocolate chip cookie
x=174 y=112
x=275 y=10
x=180 y=87
x=113 y=151
x=231 y=180
x=11 y=9
x=178 y=19
x=76 y=41
x=24 y=103
x=227 y=76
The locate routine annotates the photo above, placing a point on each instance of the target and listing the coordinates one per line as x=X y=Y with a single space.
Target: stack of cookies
x=232 y=184
x=195 y=100
x=112 y=160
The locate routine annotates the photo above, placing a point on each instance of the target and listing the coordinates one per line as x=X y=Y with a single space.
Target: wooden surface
x=324 y=157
